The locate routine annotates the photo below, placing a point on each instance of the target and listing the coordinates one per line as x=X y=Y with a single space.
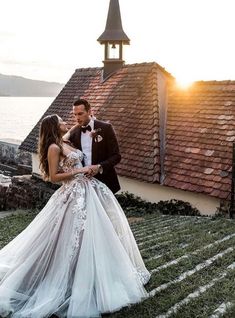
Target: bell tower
x=113 y=38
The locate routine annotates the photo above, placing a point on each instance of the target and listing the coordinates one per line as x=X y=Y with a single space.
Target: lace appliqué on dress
x=144 y=276
x=72 y=160
x=101 y=186
x=74 y=191
x=80 y=215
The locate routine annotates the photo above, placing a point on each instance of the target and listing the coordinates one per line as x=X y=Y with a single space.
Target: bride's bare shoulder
x=53 y=149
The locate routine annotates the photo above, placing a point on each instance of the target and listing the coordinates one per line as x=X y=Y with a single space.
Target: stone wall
x=3 y=190
x=27 y=192
x=12 y=160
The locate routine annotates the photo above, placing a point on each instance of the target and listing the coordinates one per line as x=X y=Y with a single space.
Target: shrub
x=135 y=206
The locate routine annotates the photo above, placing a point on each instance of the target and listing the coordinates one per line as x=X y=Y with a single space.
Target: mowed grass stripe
x=165 y=274
x=166 y=245
x=172 y=272
x=196 y=293
x=166 y=298
x=183 y=276
x=149 y=248
x=161 y=217
x=157 y=235
x=221 y=310
x=155 y=226
x=208 y=237
x=188 y=222
x=155 y=220
x=174 y=250
x=148 y=220
x=201 y=302
x=193 y=250
x=159 y=238
x=173 y=226
x=193 y=240
x=178 y=228
x=177 y=260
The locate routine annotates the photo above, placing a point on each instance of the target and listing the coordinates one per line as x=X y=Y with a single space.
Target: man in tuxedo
x=97 y=140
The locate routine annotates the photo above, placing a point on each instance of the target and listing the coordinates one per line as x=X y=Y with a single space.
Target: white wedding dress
x=77 y=258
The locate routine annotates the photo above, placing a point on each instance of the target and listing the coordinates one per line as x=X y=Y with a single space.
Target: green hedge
x=135 y=206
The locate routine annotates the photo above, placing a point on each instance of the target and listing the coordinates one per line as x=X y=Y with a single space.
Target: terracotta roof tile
x=200 y=133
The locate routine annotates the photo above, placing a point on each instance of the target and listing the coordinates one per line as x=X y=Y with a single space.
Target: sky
x=49 y=39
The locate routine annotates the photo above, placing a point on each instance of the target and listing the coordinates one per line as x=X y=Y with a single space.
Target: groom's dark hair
x=84 y=102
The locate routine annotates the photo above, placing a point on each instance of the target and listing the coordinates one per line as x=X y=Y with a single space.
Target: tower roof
x=113 y=30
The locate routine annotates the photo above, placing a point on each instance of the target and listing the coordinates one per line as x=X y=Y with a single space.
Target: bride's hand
x=86 y=170
x=89 y=171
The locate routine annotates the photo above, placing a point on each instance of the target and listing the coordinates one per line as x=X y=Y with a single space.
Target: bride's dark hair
x=49 y=134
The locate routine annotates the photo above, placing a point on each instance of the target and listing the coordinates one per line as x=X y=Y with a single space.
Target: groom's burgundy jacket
x=104 y=152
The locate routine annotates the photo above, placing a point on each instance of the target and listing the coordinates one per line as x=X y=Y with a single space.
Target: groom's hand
x=93 y=170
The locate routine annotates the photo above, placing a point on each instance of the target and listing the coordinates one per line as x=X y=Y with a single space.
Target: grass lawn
x=192 y=261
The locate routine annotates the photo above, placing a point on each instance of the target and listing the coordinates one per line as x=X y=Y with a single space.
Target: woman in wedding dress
x=78 y=257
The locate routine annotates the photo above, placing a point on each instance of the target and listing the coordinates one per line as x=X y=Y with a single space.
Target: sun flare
x=184 y=83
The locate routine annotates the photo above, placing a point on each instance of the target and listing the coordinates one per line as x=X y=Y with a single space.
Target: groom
x=98 y=142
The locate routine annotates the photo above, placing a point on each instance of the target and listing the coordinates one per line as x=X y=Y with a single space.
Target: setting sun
x=184 y=83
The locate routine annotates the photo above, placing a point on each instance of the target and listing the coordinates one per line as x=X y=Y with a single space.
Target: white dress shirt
x=86 y=144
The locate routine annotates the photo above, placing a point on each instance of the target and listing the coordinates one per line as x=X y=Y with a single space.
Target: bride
x=78 y=257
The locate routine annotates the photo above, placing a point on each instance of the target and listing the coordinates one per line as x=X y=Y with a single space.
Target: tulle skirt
x=77 y=258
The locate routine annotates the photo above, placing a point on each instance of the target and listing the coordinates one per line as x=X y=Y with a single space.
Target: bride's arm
x=53 y=157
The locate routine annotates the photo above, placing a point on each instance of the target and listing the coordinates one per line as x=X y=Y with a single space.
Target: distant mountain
x=11 y=85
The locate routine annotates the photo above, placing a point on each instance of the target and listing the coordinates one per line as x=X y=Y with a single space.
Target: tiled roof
x=196 y=149
x=200 y=133
x=129 y=100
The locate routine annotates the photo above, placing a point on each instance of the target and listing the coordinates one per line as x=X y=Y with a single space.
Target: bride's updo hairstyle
x=49 y=134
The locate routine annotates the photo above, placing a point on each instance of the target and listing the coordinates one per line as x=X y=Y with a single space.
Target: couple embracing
x=98 y=143
x=78 y=258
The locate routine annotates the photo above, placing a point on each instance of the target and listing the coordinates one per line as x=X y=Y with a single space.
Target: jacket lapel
x=79 y=139
x=94 y=149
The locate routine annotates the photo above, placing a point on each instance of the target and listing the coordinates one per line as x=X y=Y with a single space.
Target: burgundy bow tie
x=84 y=129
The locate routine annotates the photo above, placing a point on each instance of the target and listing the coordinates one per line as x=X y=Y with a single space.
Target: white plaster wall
x=35 y=164
x=155 y=192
